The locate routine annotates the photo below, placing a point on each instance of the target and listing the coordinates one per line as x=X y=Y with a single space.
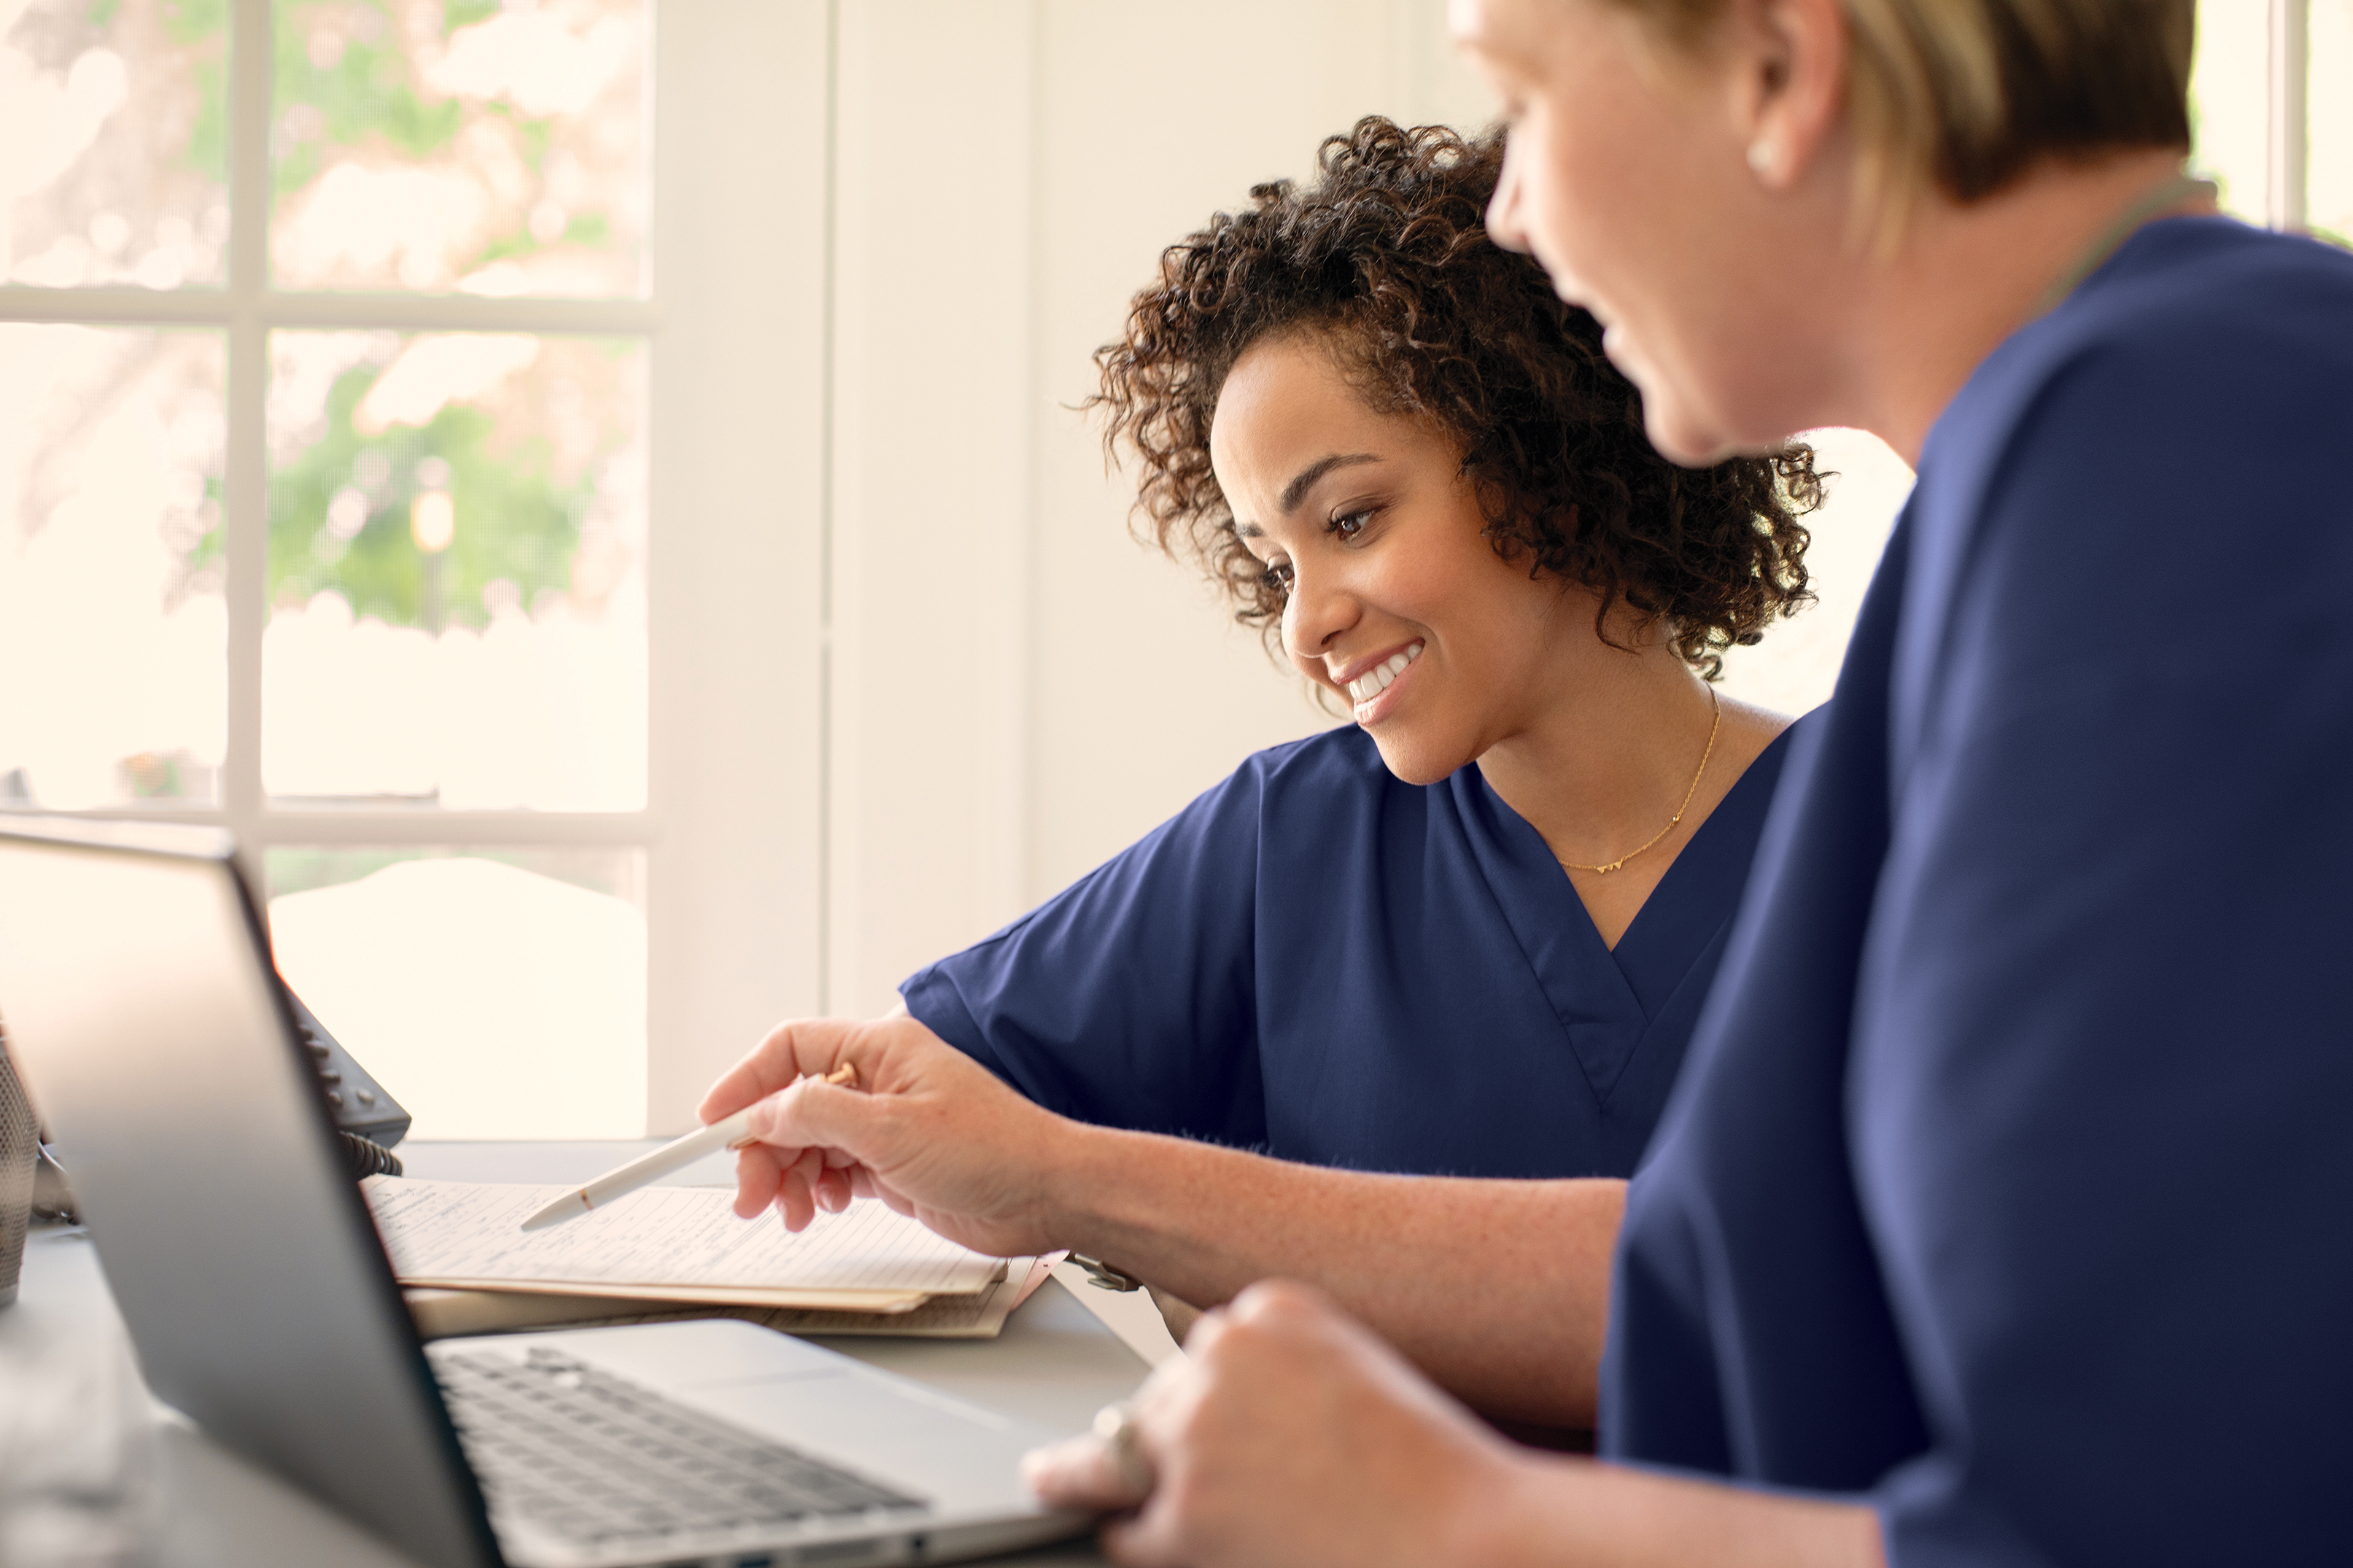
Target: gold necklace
x=1714 y=725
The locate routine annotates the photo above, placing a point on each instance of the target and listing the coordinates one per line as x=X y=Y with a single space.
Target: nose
x=1319 y=610
x=1504 y=225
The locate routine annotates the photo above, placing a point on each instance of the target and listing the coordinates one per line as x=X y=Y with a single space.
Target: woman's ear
x=1787 y=60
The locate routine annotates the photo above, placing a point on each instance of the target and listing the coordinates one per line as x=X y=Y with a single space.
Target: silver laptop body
x=148 y=1023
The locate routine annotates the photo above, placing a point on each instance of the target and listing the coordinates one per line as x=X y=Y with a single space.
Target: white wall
x=931 y=496
x=1019 y=690
x=735 y=921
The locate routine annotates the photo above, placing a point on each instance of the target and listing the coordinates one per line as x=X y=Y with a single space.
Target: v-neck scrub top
x=1319 y=961
x=2010 y=1182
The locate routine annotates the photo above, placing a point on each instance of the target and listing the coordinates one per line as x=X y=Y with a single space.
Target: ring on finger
x=1117 y=1429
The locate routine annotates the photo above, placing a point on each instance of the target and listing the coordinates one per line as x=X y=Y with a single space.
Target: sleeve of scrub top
x=1127 y=999
x=2101 y=1091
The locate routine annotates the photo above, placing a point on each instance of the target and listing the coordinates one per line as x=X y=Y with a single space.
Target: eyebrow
x=1302 y=481
x=1296 y=490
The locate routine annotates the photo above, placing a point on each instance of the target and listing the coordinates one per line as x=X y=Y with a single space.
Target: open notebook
x=450 y=1314
x=670 y=1243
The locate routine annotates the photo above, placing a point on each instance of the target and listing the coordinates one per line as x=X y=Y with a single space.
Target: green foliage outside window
x=363 y=94
x=189 y=24
x=349 y=92
x=516 y=520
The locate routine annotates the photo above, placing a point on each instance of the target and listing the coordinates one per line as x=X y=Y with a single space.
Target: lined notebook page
x=660 y=1235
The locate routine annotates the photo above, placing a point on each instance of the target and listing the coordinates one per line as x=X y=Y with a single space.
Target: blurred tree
x=340 y=512
x=361 y=88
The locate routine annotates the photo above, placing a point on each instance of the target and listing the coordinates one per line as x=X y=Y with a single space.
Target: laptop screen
x=156 y=1042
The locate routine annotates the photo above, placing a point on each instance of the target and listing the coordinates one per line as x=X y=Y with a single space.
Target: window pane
x=113 y=639
x=457 y=568
x=113 y=143
x=461 y=146
x=494 y=993
x=2229 y=97
x=2328 y=94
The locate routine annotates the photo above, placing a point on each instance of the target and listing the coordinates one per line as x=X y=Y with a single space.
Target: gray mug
x=20 y=1149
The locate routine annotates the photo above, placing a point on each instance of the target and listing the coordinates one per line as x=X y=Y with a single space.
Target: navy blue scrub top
x=2011 y=1183
x=1319 y=961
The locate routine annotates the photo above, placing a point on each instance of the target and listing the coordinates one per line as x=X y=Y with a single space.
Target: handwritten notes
x=678 y=1242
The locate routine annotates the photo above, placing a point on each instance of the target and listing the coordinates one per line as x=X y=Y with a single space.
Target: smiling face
x=1394 y=600
x=1628 y=176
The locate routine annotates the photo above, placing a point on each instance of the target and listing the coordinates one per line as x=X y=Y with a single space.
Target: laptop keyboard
x=596 y=1459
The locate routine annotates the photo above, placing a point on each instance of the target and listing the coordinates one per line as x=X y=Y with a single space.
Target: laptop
x=148 y=1023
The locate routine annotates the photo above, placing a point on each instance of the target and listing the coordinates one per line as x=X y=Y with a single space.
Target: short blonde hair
x=1964 y=96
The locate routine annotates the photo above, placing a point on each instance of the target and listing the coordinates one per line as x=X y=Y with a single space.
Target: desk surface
x=1055 y=1364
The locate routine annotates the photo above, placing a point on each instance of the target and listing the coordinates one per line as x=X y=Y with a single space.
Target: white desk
x=1055 y=1364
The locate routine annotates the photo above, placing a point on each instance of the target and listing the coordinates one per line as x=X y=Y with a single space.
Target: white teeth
x=1379 y=678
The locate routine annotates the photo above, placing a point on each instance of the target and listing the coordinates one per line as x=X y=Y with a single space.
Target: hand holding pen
x=929 y=1131
x=728 y=1133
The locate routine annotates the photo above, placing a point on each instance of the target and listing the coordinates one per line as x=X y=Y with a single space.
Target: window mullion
x=460 y=313
x=462 y=829
x=114 y=307
x=2290 y=136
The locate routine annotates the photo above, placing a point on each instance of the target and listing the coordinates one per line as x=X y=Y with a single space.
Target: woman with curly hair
x=1402 y=455
x=1468 y=935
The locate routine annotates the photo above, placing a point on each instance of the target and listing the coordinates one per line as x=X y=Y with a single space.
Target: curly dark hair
x=1386 y=256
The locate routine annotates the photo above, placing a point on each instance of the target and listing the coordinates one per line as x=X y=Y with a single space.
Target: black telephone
x=368 y=1120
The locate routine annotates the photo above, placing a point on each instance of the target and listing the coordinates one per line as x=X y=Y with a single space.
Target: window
x=331 y=511
x=2272 y=108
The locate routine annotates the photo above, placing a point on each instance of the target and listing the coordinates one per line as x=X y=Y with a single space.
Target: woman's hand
x=927 y=1130
x=1290 y=1436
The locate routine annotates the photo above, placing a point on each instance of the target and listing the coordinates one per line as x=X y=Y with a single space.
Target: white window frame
x=739 y=335
x=2288 y=186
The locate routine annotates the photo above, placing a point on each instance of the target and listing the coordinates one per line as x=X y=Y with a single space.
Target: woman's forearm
x=1554 y=1512
x=1498 y=1289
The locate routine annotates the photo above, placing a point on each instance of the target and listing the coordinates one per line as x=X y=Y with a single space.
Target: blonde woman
x=1999 y=1215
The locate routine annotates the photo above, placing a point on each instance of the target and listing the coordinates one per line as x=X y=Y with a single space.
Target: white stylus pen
x=728 y=1133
